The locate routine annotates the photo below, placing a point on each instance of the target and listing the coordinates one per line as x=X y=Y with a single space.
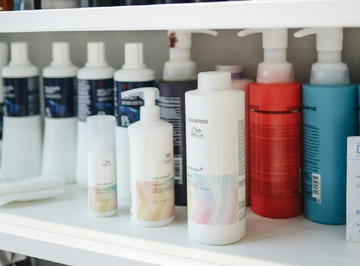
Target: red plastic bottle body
x=275 y=149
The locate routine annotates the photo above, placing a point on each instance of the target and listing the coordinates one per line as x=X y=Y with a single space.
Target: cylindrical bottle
x=59 y=153
x=4 y=60
x=151 y=164
x=134 y=74
x=99 y=3
x=6 y=5
x=56 y=4
x=239 y=83
x=215 y=130
x=22 y=138
x=95 y=97
x=138 y=2
x=101 y=164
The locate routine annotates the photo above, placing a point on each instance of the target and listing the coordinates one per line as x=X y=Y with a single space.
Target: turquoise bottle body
x=329 y=117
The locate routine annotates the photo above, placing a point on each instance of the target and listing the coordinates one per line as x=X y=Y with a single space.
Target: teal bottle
x=329 y=117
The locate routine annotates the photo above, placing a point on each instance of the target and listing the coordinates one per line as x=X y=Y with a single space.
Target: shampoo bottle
x=215 y=131
x=95 y=97
x=239 y=83
x=22 y=135
x=329 y=117
x=179 y=76
x=59 y=153
x=4 y=60
x=101 y=165
x=151 y=164
x=275 y=131
x=134 y=74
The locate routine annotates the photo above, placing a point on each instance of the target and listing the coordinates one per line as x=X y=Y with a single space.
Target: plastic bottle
x=95 y=97
x=6 y=5
x=275 y=131
x=59 y=153
x=4 y=60
x=179 y=76
x=22 y=134
x=133 y=74
x=151 y=164
x=215 y=160
x=56 y=4
x=101 y=165
x=329 y=117
x=239 y=83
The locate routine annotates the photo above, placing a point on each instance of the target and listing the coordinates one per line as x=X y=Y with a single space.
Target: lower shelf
x=61 y=230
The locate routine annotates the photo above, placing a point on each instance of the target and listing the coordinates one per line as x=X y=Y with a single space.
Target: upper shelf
x=221 y=15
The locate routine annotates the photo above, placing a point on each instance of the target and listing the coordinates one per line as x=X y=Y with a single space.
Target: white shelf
x=221 y=15
x=61 y=230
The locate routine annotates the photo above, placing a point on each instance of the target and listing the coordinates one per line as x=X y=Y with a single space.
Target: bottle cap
x=150 y=111
x=96 y=55
x=327 y=39
x=236 y=71
x=101 y=133
x=19 y=54
x=61 y=54
x=214 y=81
x=134 y=58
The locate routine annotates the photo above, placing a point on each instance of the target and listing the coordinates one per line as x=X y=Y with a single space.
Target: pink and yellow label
x=155 y=200
x=103 y=199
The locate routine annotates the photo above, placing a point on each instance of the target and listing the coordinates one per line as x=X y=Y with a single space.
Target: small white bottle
x=133 y=74
x=22 y=135
x=4 y=61
x=95 y=97
x=215 y=134
x=101 y=164
x=59 y=153
x=151 y=164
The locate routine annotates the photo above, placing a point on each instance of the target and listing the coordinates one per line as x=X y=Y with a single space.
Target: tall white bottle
x=133 y=74
x=4 y=61
x=59 y=153
x=151 y=164
x=215 y=134
x=95 y=97
x=22 y=135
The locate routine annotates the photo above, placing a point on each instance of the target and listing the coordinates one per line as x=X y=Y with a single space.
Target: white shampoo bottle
x=22 y=135
x=95 y=97
x=59 y=153
x=215 y=134
x=151 y=164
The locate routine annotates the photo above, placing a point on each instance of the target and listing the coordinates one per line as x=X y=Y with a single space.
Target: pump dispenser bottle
x=179 y=76
x=59 y=153
x=151 y=163
x=275 y=131
x=95 y=97
x=4 y=61
x=329 y=117
x=215 y=131
x=22 y=145
x=133 y=74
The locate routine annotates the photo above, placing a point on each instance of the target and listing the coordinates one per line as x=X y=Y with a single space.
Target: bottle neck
x=149 y=113
x=179 y=54
x=329 y=56
x=274 y=55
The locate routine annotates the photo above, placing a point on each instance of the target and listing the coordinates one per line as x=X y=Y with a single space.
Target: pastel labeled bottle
x=22 y=134
x=179 y=76
x=329 y=117
x=4 y=61
x=59 y=153
x=275 y=131
x=238 y=82
x=215 y=160
x=151 y=163
x=95 y=97
x=133 y=74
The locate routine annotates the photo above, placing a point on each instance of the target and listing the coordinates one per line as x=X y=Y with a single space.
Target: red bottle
x=6 y=5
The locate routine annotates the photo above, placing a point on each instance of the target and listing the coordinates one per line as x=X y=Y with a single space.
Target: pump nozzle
x=150 y=111
x=275 y=68
x=182 y=38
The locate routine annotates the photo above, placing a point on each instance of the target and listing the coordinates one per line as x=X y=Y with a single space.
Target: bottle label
x=102 y=183
x=155 y=199
x=215 y=200
x=127 y=110
x=21 y=96
x=60 y=97
x=95 y=97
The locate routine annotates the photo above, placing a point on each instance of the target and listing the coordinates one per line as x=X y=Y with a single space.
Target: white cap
x=101 y=133
x=19 y=54
x=182 y=38
x=327 y=39
x=214 y=81
x=271 y=38
x=134 y=58
x=236 y=71
x=96 y=54
x=150 y=111
x=61 y=54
